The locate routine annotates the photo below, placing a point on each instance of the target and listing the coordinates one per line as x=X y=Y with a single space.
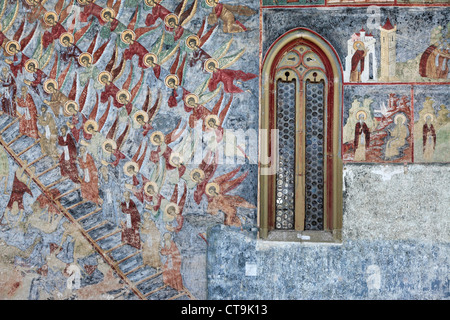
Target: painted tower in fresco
x=368 y=64
x=388 y=39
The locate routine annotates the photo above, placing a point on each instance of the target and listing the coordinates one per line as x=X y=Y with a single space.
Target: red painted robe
x=177 y=33
x=130 y=233
x=67 y=160
x=15 y=69
x=227 y=77
x=119 y=156
x=154 y=156
x=94 y=10
x=172 y=267
x=136 y=49
x=158 y=12
x=89 y=183
x=28 y=121
x=198 y=113
x=360 y=129
x=39 y=76
x=218 y=11
x=18 y=190
x=358 y=57
x=49 y=36
x=425 y=131
x=110 y=91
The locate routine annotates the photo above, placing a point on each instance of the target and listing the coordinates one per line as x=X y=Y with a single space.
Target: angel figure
x=144 y=118
x=92 y=131
x=108 y=77
x=218 y=200
x=195 y=43
x=130 y=38
x=125 y=98
x=58 y=99
x=174 y=81
x=151 y=194
x=88 y=61
x=15 y=48
x=111 y=147
x=31 y=66
x=162 y=142
x=55 y=20
x=173 y=211
x=7 y=21
x=175 y=22
x=226 y=76
x=158 y=12
x=200 y=176
x=111 y=24
x=226 y=13
x=69 y=43
x=90 y=8
x=36 y=10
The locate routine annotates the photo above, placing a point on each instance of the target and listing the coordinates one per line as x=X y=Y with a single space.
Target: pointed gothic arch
x=300 y=177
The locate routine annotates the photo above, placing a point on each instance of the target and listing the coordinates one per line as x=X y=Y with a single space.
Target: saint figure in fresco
x=89 y=181
x=67 y=161
x=358 y=61
x=226 y=13
x=28 y=118
x=428 y=138
x=49 y=138
x=172 y=266
x=130 y=228
x=362 y=137
x=397 y=138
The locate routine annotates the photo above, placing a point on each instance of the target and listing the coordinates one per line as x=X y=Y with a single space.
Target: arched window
x=300 y=137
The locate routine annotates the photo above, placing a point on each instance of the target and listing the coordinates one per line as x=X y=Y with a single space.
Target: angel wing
x=137 y=87
x=79 y=35
x=73 y=91
x=154 y=110
x=8 y=20
x=104 y=117
x=172 y=136
x=185 y=16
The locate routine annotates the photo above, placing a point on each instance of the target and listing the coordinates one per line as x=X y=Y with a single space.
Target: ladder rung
x=57 y=182
x=148 y=278
x=178 y=295
x=28 y=148
x=101 y=224
x=108 y=235
x=135 y=269
x=116 y=247
x=15 y=139
x=154 y=291
x=66 y=193
x=36 y=160
x=128 y=257
x=9 y=125
x=48 y=170
x=76 y=204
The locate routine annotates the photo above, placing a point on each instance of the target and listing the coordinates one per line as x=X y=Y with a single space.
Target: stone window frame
x=333 y=165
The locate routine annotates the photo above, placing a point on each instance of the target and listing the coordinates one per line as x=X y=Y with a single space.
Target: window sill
x=316 y=237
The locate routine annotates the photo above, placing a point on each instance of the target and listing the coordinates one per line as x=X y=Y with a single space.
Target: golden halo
x=167 y=216
x=31 y=3
x=123 y=92
x=9 y=43
x=428 y=114
x=150 y=183
x=151 y=5
x=83 y=55
x=104 y=73
x=66 y=35
x=211 y=3
x=128 y=165
x=400 y=116
x=175 y=155
x=140 y=113
x=153 y=135
x=356 y=43
x=104 y=11
x=47 y=82
x=209 y=185
x=169 y=77
x=90 y=122
x=190 y=96
x=50 y=14
x=67 y=104
x=148 y=55
x=111 y=142
x=190 y=38
x=127 y=32
x=31 y=61
x=210 y=117
x=169 y=17
x=208 y=62
x=361 y=112
x=84 y=1
x=199 y=171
